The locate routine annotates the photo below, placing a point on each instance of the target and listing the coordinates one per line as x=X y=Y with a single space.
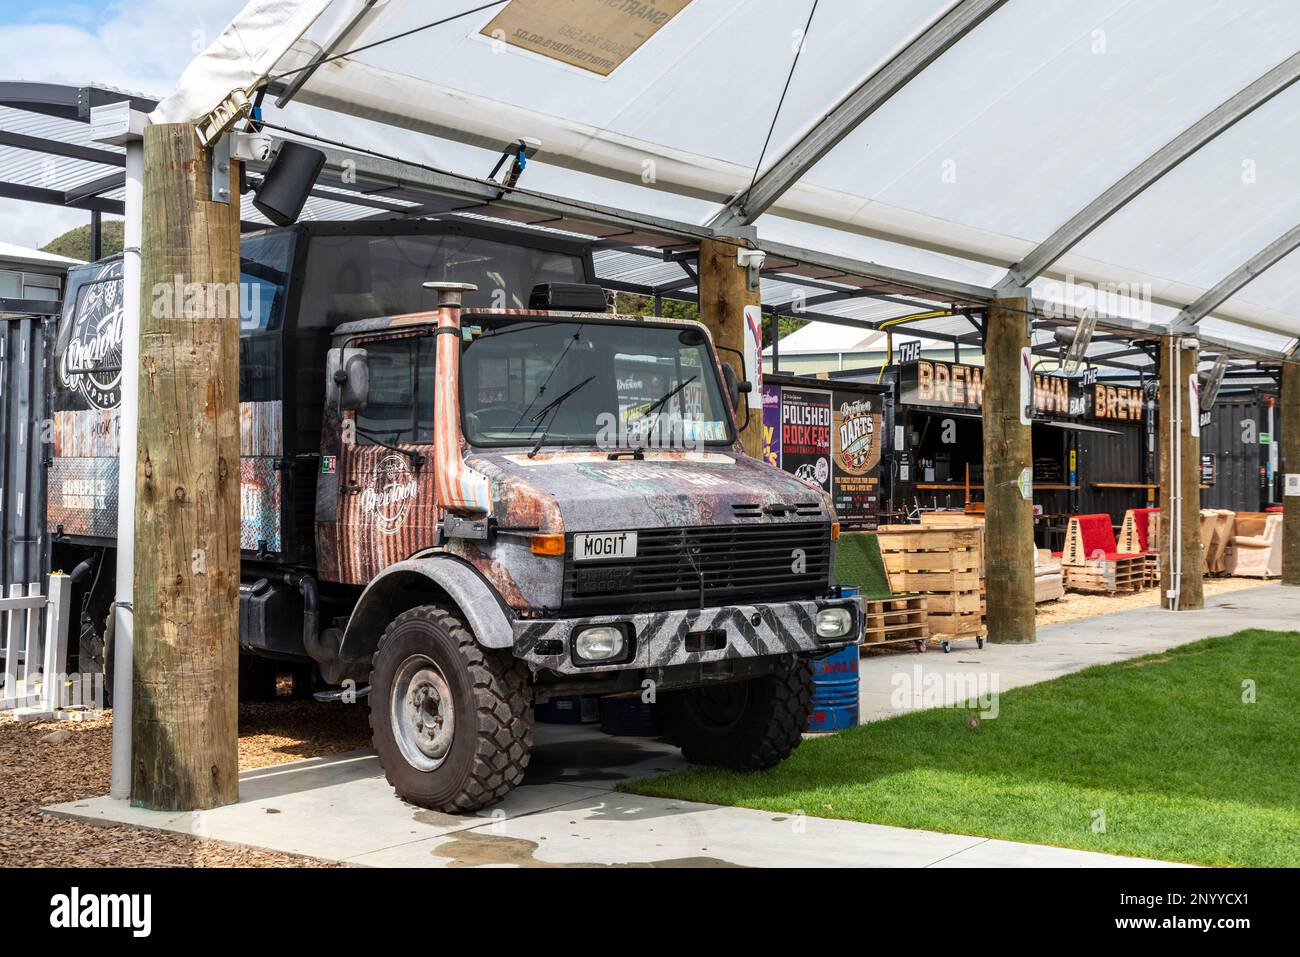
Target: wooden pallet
x=1108 y=577
x=1151 y=568
x=895 y=620
x=905 y=562
x=956 y=603
x=950 y=581
x=926 y=538
x=945 y=563
x=969 y=625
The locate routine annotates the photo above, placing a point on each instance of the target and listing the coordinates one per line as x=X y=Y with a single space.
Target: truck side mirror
x=735 y=387
x=347 y=379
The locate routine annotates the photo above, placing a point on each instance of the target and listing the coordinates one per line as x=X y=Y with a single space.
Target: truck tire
x=744 y=725
x=457 y=758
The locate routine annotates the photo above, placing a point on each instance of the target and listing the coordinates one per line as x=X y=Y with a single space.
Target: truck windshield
x=615 y=385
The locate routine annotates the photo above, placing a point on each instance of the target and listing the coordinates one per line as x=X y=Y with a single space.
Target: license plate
x=603 y=546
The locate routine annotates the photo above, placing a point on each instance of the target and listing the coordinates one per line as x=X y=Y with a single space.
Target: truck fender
x=438 y=579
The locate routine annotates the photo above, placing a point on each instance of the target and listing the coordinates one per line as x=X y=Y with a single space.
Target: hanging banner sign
x=771 y=424
x=594 y=35
x=1194 y=403
x=753 y=352
x=1026 y=386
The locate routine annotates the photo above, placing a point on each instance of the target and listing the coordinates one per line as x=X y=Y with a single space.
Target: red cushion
x=1098 y=535
x=1140 y=517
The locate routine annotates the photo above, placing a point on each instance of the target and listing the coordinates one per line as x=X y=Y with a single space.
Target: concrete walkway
x=567 y=814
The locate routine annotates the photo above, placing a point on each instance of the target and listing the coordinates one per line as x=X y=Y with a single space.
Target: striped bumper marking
x=783 y=628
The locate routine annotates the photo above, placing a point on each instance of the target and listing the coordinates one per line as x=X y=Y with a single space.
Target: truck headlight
x=599 y=643
x=833 y=622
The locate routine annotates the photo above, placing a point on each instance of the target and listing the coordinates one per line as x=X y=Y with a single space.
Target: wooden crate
x=955 y=603
x=895 y=620
x=968 y=625
x=944 y=562
x=928 y=538
x=959 y=561
x=910 y=582
x=1110 y=577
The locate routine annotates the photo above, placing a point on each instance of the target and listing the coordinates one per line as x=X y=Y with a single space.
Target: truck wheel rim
x=422 y=713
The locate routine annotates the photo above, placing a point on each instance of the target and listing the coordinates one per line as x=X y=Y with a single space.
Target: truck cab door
x=385 y=504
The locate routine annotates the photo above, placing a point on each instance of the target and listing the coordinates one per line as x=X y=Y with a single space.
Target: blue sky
x=138 y=45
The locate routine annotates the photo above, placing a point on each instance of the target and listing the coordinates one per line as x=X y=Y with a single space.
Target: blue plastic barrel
x=835 y=699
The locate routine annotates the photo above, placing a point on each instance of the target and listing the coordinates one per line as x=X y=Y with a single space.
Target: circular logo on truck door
x=388 y=498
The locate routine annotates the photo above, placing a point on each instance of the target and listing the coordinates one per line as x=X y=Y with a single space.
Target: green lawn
x=1163 y=746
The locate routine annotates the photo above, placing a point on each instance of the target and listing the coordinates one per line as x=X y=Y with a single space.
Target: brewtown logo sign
x=387 y=499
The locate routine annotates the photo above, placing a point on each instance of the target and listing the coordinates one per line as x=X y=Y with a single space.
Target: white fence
x=34 y=664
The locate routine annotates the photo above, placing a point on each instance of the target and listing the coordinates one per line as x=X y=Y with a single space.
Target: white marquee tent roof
x=912 y=133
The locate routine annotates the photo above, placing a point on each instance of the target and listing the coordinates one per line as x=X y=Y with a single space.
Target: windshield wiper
x=549 y=409
x=659 y=403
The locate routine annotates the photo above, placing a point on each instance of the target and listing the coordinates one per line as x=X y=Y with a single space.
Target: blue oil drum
x=835 y=699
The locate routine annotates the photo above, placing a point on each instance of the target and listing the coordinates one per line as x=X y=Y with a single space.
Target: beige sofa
x=1049 y=580
x=1256 y=549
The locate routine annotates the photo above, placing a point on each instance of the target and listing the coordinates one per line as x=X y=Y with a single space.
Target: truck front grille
x=735 y=562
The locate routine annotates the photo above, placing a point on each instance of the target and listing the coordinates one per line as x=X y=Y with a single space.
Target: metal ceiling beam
x=1231 y=284
x=62 y=100
x=56 y=197
x=946 y=291
x=875 y=91
x=39 y=144
x=88 y=190
x=1151 y=169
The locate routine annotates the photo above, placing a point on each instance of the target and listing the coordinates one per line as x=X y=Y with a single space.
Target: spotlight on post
x=288 y=182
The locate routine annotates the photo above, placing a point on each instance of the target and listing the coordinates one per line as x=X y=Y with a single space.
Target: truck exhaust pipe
x=322 y=646
x=459 y=488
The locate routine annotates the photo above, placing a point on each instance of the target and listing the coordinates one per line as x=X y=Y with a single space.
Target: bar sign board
x=594 y=35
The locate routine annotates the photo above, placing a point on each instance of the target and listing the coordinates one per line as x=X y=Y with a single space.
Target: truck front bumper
x=688 y=636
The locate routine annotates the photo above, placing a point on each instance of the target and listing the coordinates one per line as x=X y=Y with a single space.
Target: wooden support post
x=1181 y=561
x=1290 y=428
x=1008 y=459
x=187 y=483
x=724 y=294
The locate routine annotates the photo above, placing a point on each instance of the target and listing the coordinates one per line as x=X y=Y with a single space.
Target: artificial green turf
x=858 y=562
x=1163 y=746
